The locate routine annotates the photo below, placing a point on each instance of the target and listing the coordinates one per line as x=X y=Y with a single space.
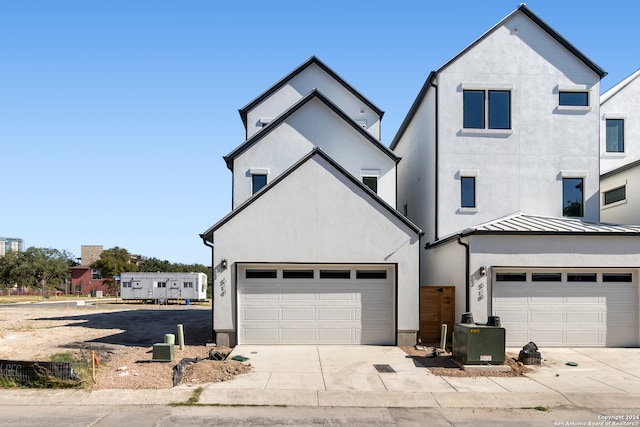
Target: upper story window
x=257 y=182
x=487 y=109
x=95 y=274
x=616 y=195
x=573 y=98
x=371 y=182
x=615 y=136
x=572 y=197
x=467 y=192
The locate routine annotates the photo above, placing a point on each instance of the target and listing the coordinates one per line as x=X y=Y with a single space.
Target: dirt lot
x=122 y=335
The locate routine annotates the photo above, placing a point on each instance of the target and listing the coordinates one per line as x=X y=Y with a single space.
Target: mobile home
x=160 y=286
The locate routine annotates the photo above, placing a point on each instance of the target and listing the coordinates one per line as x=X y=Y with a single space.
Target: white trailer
x=162 y=287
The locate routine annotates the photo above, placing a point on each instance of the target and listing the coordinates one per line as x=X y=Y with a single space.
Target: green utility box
x=478 y=344
x=163 y=352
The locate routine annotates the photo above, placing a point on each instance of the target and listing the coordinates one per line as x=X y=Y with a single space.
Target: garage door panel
x=568 y=313
x=349 y=311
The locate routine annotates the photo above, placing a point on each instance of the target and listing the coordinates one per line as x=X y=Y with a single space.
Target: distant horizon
x=114 y=117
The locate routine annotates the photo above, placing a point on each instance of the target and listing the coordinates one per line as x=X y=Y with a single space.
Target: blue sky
x=115 y=115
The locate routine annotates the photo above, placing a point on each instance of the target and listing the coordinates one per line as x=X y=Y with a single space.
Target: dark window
x=335 y=274
x=162 y=284
x=371 y=182
x=260 y=274
x=511 y=277
x=187 y=284
x=546 y=277
x=572 y=197
x=258 y=181
x=473 y=115
x=574 y=99
x=581 y=277
x=615 y=195
x=617 y=277
x=499 y=109
x=297 y=274
x=371 y=274
x=95 y=274
x=468 y=192
x=615 y=136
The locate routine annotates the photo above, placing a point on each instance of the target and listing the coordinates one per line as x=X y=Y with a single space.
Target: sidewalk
x=344 y=376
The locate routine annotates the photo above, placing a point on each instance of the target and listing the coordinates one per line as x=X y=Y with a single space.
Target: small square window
x=371 y=182
x=615 y=136
x=572 y=197
x=615 y=195
x=258 y=181
x=468 y=192
x=574 y=99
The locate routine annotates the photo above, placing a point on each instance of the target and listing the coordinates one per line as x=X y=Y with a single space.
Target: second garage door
x=312 y=304
x=594 y=308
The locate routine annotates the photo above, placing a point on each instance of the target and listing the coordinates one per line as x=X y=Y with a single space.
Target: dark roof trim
x=315 y=94
x=533 y=17
x=471 y=232
x=208 y=235
x=620 y=169
x=414 y=108
x=313 y=60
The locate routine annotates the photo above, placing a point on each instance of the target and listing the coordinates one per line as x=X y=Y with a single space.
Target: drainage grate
x=384 y=368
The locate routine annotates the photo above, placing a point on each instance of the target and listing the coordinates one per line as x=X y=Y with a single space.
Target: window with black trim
x=96 y=274
x=489 y=109
x=573 y=98
x=617 y=277
x=582 y=277
x=616 y=195
x=162 y=284
x=335 y=274
x=371 y=182
x=297 y=274
x=511 y=277
x=546 y=277
x=258 y=181
x=572 y=197
x=615 y=135
x=468 y=192
x=187 y=284
x=371 y=274
x=260 y=274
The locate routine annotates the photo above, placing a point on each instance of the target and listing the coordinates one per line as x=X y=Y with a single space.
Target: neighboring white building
x=500 y=168
x=314 y=250
x=620 y=152
x=163 y=286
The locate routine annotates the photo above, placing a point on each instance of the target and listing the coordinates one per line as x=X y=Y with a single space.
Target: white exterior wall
x=519 y=169
x=561 y=252
x=314 y=124
x=315 y=215
x=625 y=211
x=622 y=105
x=313 y=77
x=445 y=266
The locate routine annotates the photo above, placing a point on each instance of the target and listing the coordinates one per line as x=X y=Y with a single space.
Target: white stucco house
x=501 y=160
x=314 y=250
x=620 y=152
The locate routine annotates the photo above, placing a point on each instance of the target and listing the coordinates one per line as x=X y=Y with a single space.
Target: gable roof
x=520 y=223
x=313 y=60
x=620 y=169
x=536 y=20
x=313 y=153
x=314 y=94
x=617 y=88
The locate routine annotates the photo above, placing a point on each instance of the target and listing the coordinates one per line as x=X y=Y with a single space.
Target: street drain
x=384 y=368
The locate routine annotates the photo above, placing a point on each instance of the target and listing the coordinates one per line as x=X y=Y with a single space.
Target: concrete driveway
x=309 y=375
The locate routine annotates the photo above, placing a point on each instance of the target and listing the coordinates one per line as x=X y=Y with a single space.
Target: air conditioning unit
x=478 y=344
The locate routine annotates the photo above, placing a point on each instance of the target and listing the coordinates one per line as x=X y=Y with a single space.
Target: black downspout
x=435 y=220
x=209 y=244
x=467 y=270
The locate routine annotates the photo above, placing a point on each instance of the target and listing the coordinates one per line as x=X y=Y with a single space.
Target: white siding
x=626 y=211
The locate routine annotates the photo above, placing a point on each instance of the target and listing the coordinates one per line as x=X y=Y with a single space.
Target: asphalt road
x=166 y=416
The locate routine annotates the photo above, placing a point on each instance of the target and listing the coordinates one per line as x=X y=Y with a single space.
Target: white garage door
x=311 y=304
x=576 y=308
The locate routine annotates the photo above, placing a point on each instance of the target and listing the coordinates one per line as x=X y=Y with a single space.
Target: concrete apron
x=309 y=375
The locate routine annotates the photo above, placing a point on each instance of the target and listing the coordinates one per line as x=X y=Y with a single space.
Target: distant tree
x=114 y=261
x=42 y=268
x=8 y=263
x=154 y=264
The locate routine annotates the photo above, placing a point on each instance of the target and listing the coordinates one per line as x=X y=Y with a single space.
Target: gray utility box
x=478 y=344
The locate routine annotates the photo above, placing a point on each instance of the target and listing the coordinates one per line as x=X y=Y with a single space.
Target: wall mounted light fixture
x=223 y=264
x=483 y=271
